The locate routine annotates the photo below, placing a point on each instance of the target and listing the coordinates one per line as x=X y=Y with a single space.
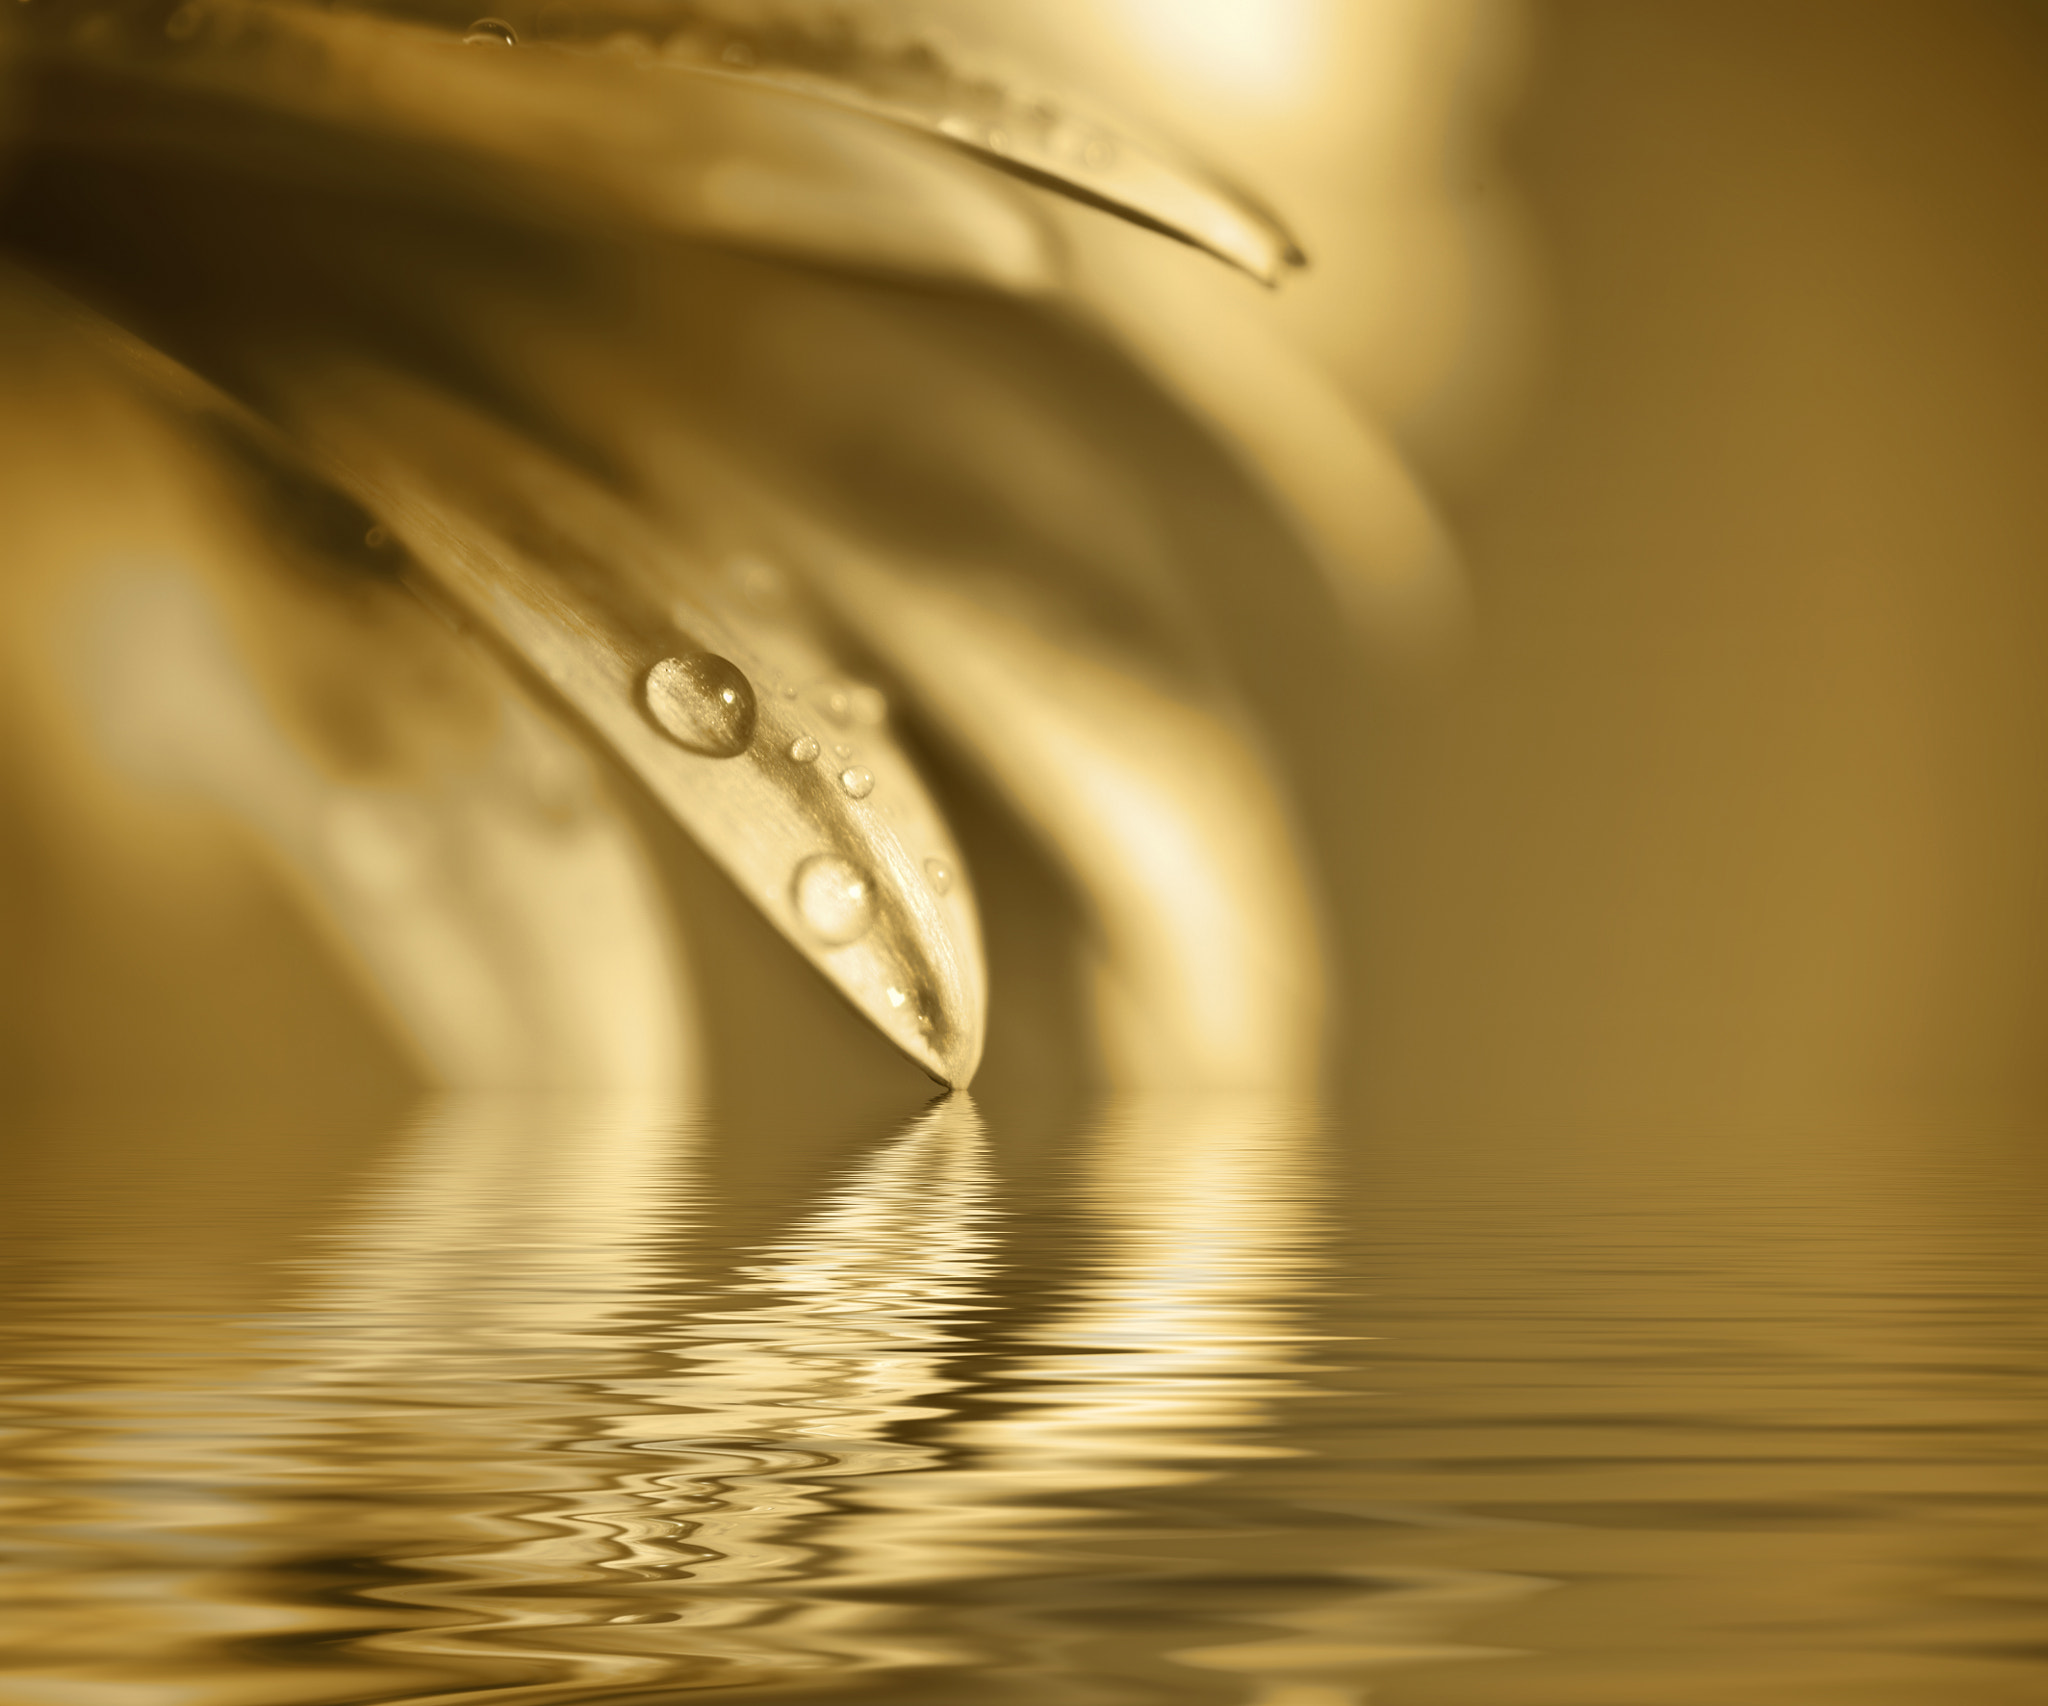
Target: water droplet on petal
x=788 y=691
x=703 y=702
x=803 y=749
x=857 y=780
x=939 y=874
x=377 y=538
x=836 y=703
x=841 y=750
x=834 y=897
x=490 y=32
x=737 y=53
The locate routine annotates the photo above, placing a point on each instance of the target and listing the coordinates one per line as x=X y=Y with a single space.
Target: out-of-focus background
x=1733 y=816
x=1716 y=330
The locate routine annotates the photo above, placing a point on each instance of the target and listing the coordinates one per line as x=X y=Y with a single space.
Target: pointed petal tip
x=918 y=984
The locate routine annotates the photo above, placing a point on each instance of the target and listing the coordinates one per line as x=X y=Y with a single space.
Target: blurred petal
x=343 y=102
x=509 y=921
x=994 y=112
x=1160 y=808
x=1358 y=510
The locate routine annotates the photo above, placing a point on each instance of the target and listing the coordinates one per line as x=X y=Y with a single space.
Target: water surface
x=1191 y=1400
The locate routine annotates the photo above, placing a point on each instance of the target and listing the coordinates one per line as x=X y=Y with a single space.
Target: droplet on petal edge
x=703 y=703
x=1029 y=135
x=803 y=749
x=490 y=32
x=857 y=780
x=834 y=898
x=939 y=874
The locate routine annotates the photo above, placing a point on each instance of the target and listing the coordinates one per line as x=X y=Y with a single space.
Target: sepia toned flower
x=520 y=437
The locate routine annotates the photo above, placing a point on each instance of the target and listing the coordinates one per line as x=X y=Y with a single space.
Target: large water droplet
x=703 y=702
x=490 y=32
x=834 y=897
x=939 y=874
x=803 y=749
x=858 y=780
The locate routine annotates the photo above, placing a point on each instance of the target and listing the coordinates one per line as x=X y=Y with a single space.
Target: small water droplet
x=836 y=703
x=834 y=897
x=857 y=780
x=803 y=749
x=841 y=750
x=490 y=32
x=788 y=691
x=939 y=874
x=377 y=538
x=703 y=702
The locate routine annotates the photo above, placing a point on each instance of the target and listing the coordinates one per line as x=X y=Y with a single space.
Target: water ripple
x=1199 y=1401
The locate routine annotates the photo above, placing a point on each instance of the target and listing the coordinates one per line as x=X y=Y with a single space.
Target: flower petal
x=332 y=101
x=574 y=585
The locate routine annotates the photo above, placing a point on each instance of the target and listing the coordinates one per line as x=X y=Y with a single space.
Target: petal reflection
x=1182 y=1346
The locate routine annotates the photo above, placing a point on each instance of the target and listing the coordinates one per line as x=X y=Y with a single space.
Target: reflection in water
x=1163 y=1412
